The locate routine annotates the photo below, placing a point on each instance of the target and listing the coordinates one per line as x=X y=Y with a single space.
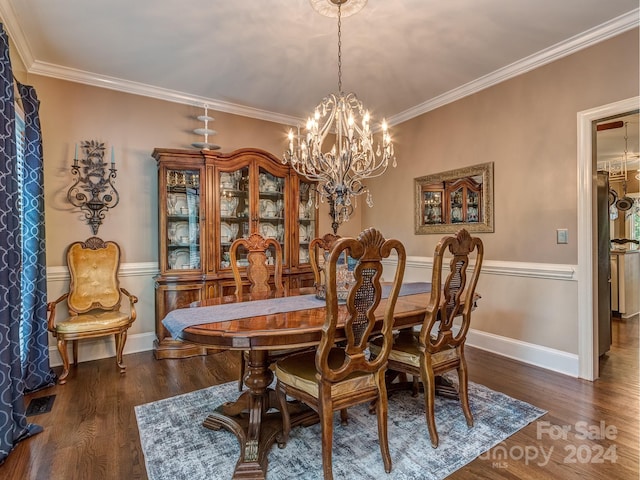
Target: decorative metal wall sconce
x=93 y=191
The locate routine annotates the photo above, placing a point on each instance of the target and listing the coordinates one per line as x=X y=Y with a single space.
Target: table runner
x=181 y=318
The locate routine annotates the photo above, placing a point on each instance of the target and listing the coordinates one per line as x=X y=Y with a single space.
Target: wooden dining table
x=254 y=417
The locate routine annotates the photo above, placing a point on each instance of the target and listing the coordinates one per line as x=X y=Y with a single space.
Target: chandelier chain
x=340 y=48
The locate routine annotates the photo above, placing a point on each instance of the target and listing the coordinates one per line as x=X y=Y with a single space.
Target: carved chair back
x=320 y=248
x=457 y=297
x=258 y=270
x=93 y=270
x=369 y=249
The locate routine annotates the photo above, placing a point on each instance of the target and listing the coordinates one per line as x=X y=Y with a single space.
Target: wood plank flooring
x=91 y=432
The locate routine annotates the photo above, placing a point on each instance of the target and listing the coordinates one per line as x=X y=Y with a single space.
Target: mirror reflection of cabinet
x=449 y=200
x=206 y=201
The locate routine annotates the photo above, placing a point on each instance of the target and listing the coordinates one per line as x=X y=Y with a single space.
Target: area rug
x=176 y=446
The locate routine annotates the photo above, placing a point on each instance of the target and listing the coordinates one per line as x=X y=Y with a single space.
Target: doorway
x=587 y=231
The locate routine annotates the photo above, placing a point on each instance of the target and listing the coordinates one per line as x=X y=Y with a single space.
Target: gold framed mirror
x=448 y=201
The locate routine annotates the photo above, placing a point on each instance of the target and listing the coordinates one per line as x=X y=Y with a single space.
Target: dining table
x=262 y=325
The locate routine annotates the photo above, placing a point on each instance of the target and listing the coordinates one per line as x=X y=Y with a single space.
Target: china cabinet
x=207 y=199
x=451 y=202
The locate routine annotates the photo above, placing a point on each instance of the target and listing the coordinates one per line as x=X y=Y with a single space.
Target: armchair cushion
x=92 y=321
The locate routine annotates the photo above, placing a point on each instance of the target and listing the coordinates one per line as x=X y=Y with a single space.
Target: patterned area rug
x=176 y=445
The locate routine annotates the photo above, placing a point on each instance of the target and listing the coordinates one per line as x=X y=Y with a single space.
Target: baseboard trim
x=99 y=348
x=529 y=353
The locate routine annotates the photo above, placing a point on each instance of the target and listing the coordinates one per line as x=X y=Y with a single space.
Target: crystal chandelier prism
x=354 y=155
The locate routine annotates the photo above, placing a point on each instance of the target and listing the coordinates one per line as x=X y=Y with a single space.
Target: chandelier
x=353 y=156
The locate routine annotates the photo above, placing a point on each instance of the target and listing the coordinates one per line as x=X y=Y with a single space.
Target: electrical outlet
x=562 y=235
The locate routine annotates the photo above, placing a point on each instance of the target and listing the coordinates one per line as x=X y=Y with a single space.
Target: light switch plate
x=562 y=235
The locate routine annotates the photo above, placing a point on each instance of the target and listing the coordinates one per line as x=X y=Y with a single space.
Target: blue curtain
x=34 y=338
x=13 y=421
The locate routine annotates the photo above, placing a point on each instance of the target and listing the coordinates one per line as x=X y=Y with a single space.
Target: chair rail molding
x=510 y=290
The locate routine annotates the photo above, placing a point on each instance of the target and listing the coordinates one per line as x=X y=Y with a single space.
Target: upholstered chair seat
x=93 y=322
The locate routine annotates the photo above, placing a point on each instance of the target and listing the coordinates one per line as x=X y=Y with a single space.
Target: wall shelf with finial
x=206 y=132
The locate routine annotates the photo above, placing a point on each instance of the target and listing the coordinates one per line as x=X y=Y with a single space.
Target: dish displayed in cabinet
x=228 y=232
x=228 y=206
x=269 y=184
x=180 y=259
x=179 y=233
x=177 y=204
x=268 y=208
x=229 y=180
x=272 y=231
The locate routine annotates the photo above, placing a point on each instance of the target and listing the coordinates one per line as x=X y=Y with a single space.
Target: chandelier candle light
x=353 y=157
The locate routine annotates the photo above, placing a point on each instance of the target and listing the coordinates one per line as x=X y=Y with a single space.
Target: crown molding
x=578 y=42
x=136 y=88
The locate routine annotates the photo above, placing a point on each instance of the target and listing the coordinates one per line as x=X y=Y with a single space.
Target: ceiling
x=276 y=59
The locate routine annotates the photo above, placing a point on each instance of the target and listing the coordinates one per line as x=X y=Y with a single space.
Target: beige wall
x=134 y=126
x=527 y=126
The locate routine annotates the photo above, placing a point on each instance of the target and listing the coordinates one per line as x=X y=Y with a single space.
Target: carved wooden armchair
x=335 y=378
x=260 y=274
x=93 y=300
x=438 y=348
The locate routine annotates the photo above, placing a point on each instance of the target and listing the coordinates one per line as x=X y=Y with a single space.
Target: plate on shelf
x=228 y=232
x=179 y=259
x=181 y=235
x=268 y=208
x=268 y=230
x=177 y=204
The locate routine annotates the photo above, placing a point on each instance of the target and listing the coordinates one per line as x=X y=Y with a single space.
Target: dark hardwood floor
x=91 y=432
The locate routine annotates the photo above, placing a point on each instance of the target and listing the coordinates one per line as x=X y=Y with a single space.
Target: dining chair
x=334 y=378
x=93 y=301
x=319 y=248
x=258 y=270
x=439 y=346
x=262 y=277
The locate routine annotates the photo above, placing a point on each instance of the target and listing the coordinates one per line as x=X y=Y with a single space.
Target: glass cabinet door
x=306 y=220
x=473 y=206
x=456 y=205
x=183 y=219
x=234 y=210
x=432 y=207
x=271 y=203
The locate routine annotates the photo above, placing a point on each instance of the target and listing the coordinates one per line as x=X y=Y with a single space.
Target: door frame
x=587 y=274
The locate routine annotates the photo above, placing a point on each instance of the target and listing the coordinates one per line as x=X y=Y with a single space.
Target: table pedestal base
x=254 y=418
